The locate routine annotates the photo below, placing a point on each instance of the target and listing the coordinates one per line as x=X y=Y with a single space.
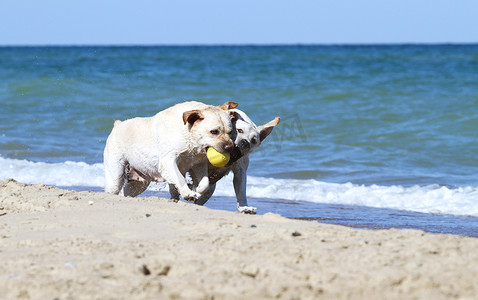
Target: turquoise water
x=400 y=121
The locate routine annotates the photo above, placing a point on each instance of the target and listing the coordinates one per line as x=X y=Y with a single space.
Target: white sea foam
x=427 y=199
x=58 y=174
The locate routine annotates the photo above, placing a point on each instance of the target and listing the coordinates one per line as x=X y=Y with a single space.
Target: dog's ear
x=192 y=116
x=228 y=105
x=266 y=129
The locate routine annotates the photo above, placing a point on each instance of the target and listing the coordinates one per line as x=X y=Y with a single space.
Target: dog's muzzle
x=244 y=144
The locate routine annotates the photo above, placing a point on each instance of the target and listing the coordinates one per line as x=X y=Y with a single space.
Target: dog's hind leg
x=133 y=188
x=114 y=174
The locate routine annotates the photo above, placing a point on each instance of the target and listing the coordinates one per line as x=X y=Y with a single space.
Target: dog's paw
x=247 y=210
x=191 y=196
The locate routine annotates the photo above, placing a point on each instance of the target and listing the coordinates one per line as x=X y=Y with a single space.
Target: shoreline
x=355 y=216
x=64 y=244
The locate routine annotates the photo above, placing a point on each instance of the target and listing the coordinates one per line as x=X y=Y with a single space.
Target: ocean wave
x=59 y=174
x=427 y=199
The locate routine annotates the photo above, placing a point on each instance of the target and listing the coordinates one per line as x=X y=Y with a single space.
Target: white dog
x=166 y=146
x=247 y=137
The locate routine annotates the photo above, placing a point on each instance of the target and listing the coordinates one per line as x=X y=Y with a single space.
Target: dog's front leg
x=201 y=177
x=170 y=171
x=240 y=183
x=173 y=191
x=204 y=197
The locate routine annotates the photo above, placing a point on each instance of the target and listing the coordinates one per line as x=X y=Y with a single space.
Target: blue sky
x=107 y=22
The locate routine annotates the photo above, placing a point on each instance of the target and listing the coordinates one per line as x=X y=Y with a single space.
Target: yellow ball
x=216 y=158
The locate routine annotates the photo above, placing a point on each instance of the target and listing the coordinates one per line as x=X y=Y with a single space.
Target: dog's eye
x=240 y=131
x=215 y=132
x=254 y=140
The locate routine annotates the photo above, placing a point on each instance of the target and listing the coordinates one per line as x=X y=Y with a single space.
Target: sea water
x=372 y=129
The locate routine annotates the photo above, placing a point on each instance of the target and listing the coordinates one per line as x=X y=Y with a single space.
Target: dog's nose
x=228 y=147
x=245 y=144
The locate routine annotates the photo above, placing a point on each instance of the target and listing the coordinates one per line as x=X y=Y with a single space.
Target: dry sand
x=60 y=244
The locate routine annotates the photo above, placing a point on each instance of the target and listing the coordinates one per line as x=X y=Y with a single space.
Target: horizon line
x=244 y=44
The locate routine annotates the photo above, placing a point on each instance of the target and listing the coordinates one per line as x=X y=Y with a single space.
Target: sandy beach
x=61 y=244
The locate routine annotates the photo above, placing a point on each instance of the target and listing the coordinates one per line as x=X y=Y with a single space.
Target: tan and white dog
x=166 y=146
x=247 y=137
